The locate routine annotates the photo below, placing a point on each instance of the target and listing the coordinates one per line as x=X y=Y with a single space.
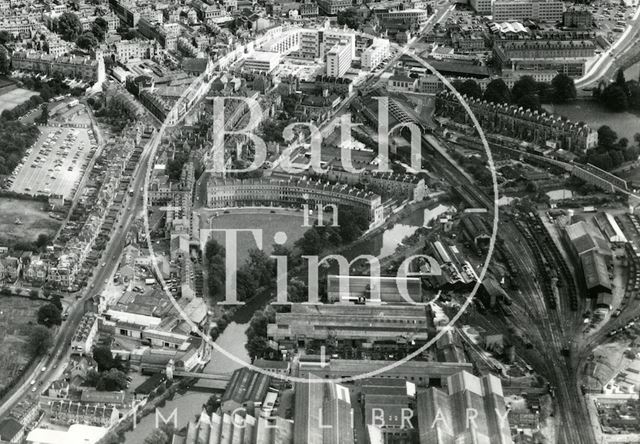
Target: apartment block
x=544 y=11
x=375 y=54
x=339 y=60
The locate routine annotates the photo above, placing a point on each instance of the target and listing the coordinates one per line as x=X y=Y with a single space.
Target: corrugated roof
x=594 y=267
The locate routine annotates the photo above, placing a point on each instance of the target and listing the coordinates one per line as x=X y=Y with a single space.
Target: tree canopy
x=497 y=92
x=69 y=26
x=5 y=60
x=470 y=88
x=87 y=41
x=564 y=88
x=39 y=340
x=49 y=315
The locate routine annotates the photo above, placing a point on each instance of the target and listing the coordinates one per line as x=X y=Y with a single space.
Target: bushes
x=16 y=138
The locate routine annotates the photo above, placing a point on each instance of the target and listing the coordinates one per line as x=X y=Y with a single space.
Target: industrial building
x=365 y=325
x=442 y=415
x=374 y=289
x=323 y=414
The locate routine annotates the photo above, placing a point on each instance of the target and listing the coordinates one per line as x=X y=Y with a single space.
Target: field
x=56 y=162
x=269 y=223
x=15 y=97
x=34 y=221
x=15 y=315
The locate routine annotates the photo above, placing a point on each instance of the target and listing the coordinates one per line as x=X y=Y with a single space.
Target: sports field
x=32 y=217
x=269 y=223
x=15 y=315
x=15 y=97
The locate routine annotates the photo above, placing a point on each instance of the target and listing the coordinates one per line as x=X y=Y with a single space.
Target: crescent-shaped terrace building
x=295 y=191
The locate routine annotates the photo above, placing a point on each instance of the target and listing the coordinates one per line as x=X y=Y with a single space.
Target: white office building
x=375 y=54
x=519 y=10
x=262 y=62
x=482 y=7
x=339 y=60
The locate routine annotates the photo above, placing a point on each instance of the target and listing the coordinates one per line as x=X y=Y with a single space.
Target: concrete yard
x=56 y=162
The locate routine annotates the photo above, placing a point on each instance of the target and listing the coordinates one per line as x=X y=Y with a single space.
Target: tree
x=614 y=98
x=5 y=61
x=530 y=101
x=112 y=381
x=633 y=88
x=49 y=315
x=5 y=37
x=69 y=26
x=524 y=86
x=91 y=378
x=497 y=92
x=43 y=239
x=157 y=436
x=56 y=300
x=257 y=343
x=39 y=340
x=469 y=88
x=100 y=28
x=87 y=41
x=564 y=88
x=215 y=256
x=104 y=358
x=606 y=137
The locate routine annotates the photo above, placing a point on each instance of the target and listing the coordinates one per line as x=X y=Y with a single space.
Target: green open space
x=23 y=221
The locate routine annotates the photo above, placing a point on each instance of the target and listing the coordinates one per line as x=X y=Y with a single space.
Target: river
x=625 y=124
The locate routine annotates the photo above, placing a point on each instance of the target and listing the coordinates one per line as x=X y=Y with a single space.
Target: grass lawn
x=16 y=314
x=33 y=217
x=270 y=224
x=15 y=97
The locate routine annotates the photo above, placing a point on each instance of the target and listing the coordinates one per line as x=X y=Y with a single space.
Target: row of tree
x=621 y=95
x=68 y=25
x=612 y=151
x=526 y=91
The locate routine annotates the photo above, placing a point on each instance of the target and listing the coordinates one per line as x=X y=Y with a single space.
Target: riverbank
x=625 y=124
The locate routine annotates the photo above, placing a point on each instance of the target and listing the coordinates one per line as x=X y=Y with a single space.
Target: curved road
x=605 y=66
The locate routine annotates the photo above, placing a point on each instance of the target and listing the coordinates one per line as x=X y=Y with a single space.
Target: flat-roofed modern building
x=482 y=7
x=539 y=10
x=442 y=415
x=375 y=54
x=262 y=61
x=339 y=60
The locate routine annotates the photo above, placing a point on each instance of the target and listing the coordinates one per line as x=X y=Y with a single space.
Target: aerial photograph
x=319 y=221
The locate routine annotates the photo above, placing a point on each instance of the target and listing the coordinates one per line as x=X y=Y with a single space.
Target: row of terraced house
x=523 y=124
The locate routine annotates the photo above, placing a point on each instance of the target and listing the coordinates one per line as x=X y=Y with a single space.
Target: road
x=605 y=67
x=59 y=351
